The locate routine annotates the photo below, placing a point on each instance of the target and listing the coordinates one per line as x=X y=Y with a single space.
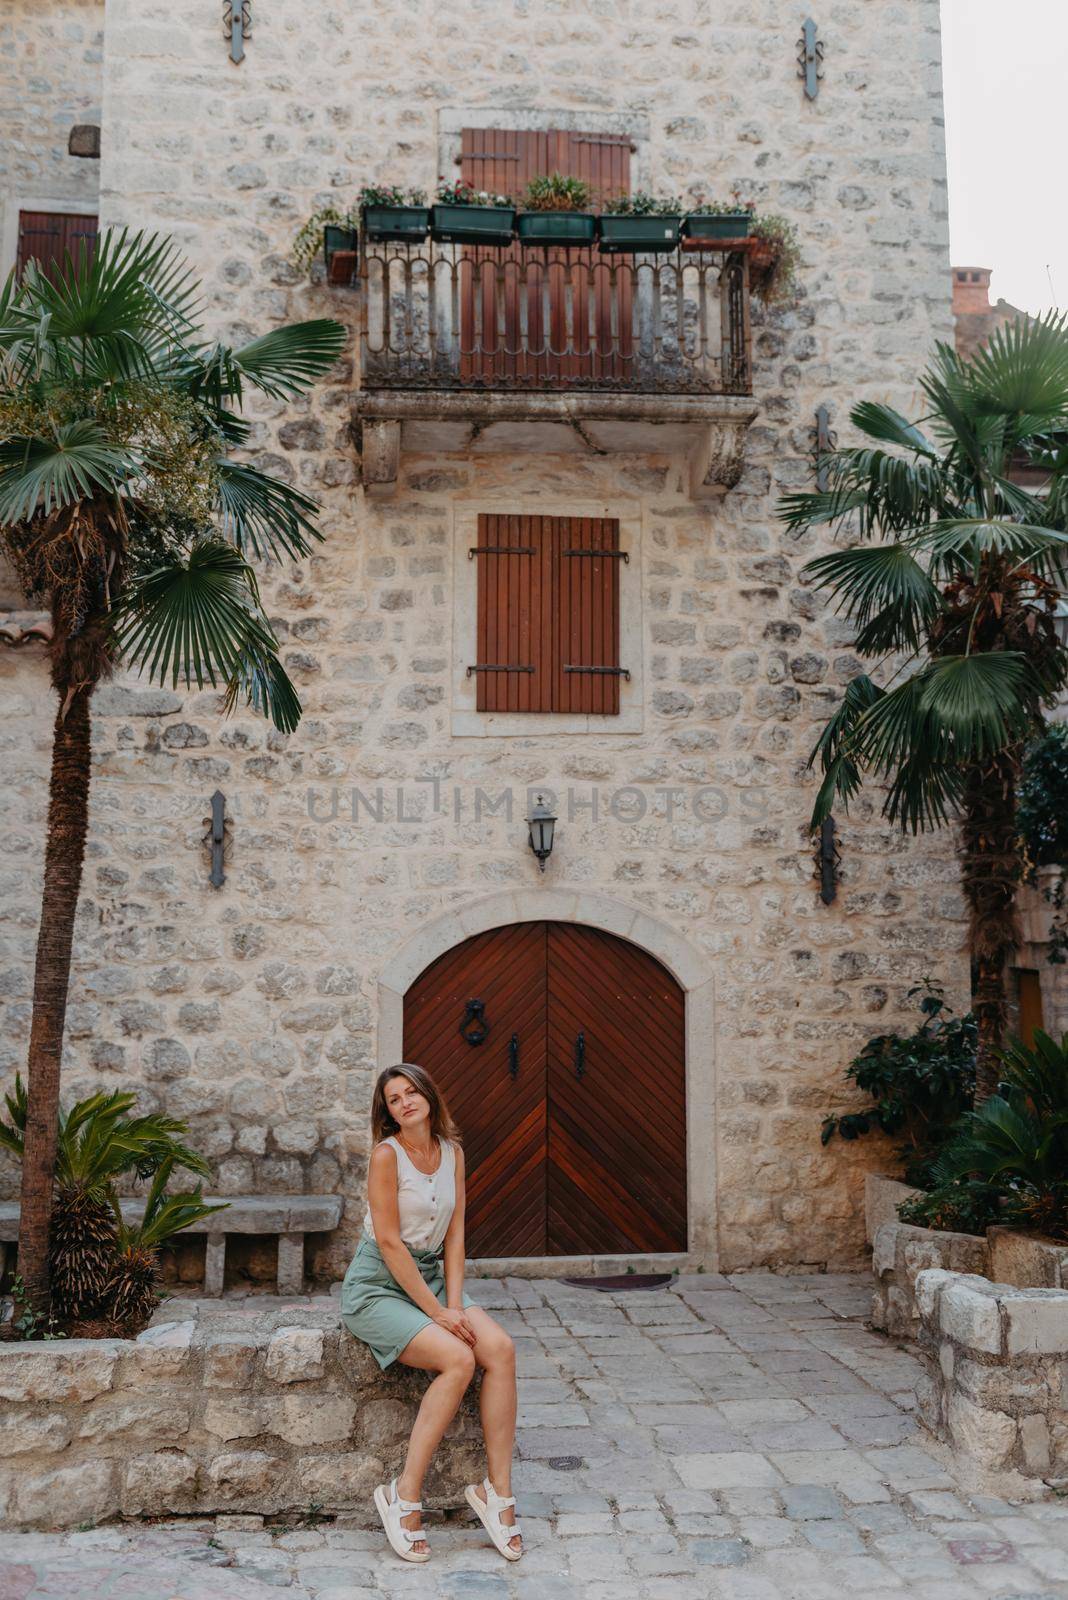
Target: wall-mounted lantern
x=542 y=825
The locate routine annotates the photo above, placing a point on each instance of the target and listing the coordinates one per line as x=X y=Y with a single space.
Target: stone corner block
x=1036 y=1322
x=884 y=1248
x=970 y=1314
x=294 y=1355
x=929 y=1285
x=230 y=1359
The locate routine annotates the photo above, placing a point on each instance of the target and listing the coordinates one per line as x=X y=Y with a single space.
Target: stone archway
x=688 y=966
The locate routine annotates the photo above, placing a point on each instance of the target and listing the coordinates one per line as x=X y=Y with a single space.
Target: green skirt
x=377 y=1310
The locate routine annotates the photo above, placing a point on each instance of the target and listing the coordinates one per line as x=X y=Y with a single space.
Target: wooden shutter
x=505 y=160
x=548 y=609
x=47 y=237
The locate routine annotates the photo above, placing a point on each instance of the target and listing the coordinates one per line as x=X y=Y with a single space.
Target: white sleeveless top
x=425 y=1200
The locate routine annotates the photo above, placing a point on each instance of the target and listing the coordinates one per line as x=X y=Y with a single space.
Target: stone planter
x=214 y=1409
x=997 y=1389
x=882 y=1196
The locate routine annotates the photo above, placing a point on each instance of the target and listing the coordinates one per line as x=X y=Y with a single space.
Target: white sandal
x=391 y=1508
x=489 y=1511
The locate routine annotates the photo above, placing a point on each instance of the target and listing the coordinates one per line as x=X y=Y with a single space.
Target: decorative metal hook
x=474 y=1027
x=217 y=837
x=828 y=859
x=810 y=58
x=237 y=27
x=826 y=444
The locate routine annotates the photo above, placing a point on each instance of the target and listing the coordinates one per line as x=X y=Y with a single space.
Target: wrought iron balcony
x=553 y=350
x=442 y=316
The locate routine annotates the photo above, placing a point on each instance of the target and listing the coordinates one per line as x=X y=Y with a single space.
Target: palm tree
x=122 y=511
x=952 y=580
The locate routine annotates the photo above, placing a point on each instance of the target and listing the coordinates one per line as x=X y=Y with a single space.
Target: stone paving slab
x=720 y=1439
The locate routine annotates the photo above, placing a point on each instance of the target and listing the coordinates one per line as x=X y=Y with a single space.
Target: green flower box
x=722 y=225
x=622 y=235
x=473 y=224
x=404 y=224
x=556 y=227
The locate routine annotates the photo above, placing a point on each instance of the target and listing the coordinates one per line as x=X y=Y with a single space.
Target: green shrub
x=1042 y=815
x=920 y=1083
x=1008 y=1160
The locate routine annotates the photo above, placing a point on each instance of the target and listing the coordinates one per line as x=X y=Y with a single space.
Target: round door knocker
x=474 y=1026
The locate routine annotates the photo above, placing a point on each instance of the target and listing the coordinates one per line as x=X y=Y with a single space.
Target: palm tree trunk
x=990 y=874
x=68 y=818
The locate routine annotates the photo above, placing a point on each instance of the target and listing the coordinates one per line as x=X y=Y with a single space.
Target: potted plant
x=774 y=257
x=554 y=212
x=462 y=214
x=719 y=219
x=390 y=213
x=334 y=231
x=640 y=222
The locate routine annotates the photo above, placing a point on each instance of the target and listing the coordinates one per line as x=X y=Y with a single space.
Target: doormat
x=627 y=1280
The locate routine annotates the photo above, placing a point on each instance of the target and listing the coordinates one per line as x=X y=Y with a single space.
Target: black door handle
x=580 y=1055
x=513 y=1056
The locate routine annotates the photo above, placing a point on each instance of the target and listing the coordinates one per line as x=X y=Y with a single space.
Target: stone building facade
x=263 y=1010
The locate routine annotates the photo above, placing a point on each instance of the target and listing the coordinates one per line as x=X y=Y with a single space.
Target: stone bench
x=290 y=1216
x=251 y=1407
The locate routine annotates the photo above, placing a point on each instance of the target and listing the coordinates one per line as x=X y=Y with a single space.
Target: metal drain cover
x=566 y=1463
x=626 y=1280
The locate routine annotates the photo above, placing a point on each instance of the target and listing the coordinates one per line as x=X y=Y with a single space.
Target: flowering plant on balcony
x=643 y=204
x=556 y=193
x=309 y=239
x=389 y=194
x=459 y=193
x=734 y=207
x=773 y=264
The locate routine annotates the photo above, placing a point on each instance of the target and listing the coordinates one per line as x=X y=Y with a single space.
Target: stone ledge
x=257 y=1409
x=710 y=430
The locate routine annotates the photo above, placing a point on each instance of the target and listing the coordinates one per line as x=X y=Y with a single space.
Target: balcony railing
x=439 y=316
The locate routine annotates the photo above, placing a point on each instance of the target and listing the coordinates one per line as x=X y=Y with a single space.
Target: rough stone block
x=294 y=1355
x=150 y=1417
x=928 y=1287
x=79 y=1370
x=1036 y=1322
x=67 y=1496
x=162 y=1482
x=884 y=1249
x=1035 y=1443
x=312 y=1418
x=27 y=1430
x=229 y=1360
x=987 y=1437
x=969 y=1313
x=239 y=1473
x=242 y=1417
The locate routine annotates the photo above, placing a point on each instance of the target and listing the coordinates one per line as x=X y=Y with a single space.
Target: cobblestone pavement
x=725 y=1439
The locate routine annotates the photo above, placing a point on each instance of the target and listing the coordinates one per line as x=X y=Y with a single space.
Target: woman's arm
x=385 y=1216
x=454 y=1241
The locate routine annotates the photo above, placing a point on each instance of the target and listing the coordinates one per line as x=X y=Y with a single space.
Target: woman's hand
x=457 y=1323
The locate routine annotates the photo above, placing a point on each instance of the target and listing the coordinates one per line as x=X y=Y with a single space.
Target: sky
x=1005 y=73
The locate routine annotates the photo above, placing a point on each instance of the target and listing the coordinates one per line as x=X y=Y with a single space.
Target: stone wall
x=253 y=1010
x=900 y=1253
x=998 y=1383
x=260 y=1410
x=51 y=76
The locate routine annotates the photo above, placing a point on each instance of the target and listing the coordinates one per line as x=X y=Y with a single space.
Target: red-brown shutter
x=47 y=237
x=505 y=160
x=548 y=601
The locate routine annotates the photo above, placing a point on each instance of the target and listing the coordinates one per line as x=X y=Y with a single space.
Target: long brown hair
x=383 y=1123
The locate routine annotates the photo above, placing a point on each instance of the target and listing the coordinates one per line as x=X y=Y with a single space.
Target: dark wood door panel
x=502 y=1119
x=617 y=1134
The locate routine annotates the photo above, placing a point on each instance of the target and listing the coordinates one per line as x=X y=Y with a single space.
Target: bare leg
x=434 y=1350
x=495 y=1354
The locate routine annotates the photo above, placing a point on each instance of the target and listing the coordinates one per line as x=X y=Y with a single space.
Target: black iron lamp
x=542 y=825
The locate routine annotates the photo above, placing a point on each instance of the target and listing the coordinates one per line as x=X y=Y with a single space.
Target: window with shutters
x=48 y=236
x=548 y=626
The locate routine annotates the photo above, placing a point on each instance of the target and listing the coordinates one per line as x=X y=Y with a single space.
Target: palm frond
x=1022 y=371
x=42 y=474
x=878 y=580
x=263 y=684
x=264 y=516
x=884 y=423
x=281 y=364
x=833 y=749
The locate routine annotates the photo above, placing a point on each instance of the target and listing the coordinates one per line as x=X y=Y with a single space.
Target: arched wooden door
x=561 y=1052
